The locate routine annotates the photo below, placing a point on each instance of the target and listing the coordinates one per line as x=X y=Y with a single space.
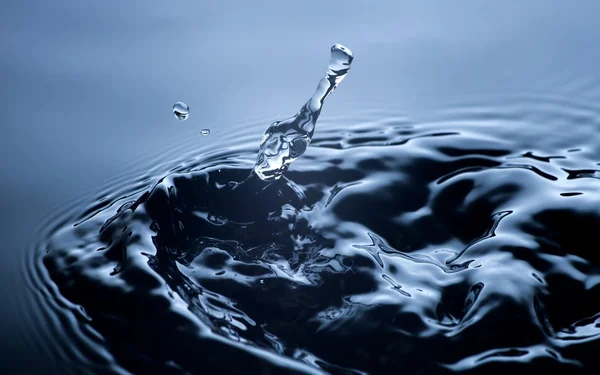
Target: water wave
x=464 y=242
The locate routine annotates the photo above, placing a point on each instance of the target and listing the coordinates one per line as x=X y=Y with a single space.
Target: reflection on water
x=459 y=244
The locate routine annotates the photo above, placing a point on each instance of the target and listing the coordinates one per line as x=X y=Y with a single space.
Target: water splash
x=390 y=243
x=181 y=111
x=285 y=141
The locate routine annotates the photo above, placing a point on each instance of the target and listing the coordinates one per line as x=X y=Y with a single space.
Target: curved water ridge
x=461 y=244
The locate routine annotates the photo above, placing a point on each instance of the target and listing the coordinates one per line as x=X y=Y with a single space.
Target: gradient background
x=87 y=86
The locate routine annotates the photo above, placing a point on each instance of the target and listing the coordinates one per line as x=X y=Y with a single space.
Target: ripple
x=393 y=243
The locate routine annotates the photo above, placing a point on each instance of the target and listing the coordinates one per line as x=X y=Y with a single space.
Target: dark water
x=465 y=243
x=442 y=220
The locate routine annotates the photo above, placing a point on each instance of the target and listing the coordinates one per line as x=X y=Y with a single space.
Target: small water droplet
x=205 y=131
x=181 y=111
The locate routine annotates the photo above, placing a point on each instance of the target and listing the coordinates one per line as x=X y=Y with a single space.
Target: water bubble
x=205 y=131
x=181 y=111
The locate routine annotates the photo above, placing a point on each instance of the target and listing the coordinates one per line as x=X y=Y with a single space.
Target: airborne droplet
x=181 y=111
x=205 y=131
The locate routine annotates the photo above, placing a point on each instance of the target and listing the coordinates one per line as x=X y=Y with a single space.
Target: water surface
x=462 y=243
x=441 y=220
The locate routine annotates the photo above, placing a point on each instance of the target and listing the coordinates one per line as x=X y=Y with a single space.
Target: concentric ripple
x=465 y=242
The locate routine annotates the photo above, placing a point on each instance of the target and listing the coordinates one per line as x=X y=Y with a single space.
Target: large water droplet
x=341 y=58
x=285 y=141
x=205 y=131
x=181 y=111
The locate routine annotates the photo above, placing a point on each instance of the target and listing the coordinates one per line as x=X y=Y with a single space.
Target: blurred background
x=87 y=87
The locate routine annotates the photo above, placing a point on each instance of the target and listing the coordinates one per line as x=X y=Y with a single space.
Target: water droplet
x=181 y=111
x=205 y=131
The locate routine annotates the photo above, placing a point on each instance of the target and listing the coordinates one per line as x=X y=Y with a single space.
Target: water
x=181 y=111
x=434 y=246
x=285 y=141
x=442 y=219
x=205 y=131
